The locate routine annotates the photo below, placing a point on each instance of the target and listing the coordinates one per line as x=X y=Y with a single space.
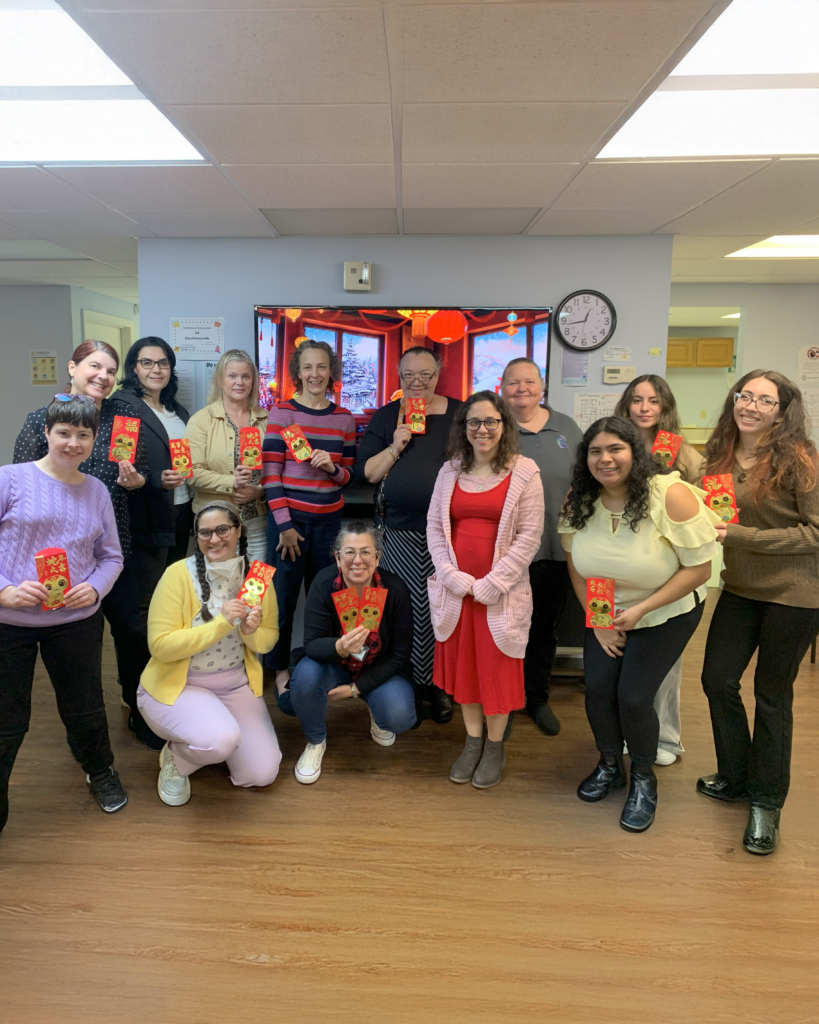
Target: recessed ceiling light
x=731 y=316
x=781 y=247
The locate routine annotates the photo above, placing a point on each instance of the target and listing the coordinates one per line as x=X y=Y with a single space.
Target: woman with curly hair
x=483 y=529
x=304 y=496
x=652 y=535
x=770 y=596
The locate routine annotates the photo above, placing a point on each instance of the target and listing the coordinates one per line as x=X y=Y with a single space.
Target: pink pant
x=217 y=718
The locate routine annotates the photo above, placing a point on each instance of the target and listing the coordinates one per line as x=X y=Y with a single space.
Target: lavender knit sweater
x=36 y=512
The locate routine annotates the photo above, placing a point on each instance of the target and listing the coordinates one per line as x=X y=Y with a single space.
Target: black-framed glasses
x=407 y=377
x=149 y=364
x=491 y=424
x=220 y=531
x=764 y=403
x=62 y=397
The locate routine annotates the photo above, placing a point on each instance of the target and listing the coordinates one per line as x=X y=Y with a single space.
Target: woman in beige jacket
x=233 y=403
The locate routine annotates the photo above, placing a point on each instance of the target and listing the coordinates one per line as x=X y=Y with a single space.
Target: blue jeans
x=316 y=554
x=392 y=703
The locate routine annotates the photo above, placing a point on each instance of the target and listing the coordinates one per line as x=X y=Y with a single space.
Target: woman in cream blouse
x=655 y=538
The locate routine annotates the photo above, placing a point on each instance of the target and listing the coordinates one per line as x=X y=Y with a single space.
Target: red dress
x=469 y=666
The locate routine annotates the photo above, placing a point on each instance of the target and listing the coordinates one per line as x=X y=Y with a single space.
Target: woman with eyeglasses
x=93 y=373
x=202 y=688
x=484 y=528
x=374 y=664
x=770 y=597
x=50 y=503
x=406 y=465
x=161 y=516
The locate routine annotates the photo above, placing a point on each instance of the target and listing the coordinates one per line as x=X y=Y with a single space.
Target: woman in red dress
x=483 y=529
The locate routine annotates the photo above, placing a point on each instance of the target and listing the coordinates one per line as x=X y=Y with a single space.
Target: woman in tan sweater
x=770 y=597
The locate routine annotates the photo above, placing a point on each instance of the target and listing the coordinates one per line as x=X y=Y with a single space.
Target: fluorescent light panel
x=781 y=247
x=731 y=316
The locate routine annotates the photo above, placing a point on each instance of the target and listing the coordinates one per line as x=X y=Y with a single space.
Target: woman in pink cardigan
x=483 y=529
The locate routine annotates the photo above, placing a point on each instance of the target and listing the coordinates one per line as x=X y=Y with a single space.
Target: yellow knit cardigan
x=173 y=640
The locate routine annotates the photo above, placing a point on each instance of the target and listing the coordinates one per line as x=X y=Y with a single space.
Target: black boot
x=719 y=788
x=641 y=802
x=762 y=833
x=9 y=745
x=608 y=775
x=442 y=706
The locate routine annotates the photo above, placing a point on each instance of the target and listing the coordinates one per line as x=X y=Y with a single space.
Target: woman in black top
x=410 y=464
x=161 y=516
x=93 y=371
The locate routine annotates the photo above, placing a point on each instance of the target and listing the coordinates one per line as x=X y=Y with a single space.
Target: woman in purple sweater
x=50 y=504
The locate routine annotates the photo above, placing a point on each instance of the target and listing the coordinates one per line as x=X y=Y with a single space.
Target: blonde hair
x=234 y=355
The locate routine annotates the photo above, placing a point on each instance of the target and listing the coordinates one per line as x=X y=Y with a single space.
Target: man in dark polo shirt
x=550 y=438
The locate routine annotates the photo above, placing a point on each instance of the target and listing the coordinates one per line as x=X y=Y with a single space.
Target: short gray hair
x=358 y=528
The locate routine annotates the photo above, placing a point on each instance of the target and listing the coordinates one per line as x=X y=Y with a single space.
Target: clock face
x=585 y=320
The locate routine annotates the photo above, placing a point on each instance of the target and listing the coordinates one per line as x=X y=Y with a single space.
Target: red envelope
x=256 y=583
x=346 y=602
x=417 y=415
x=181 y=459
x=372 y=607
x=250 y=447
x=297 y=443
x=665 y=447
x=720 y=496
x=599 y=603
x=124 y=434
x=52 y=572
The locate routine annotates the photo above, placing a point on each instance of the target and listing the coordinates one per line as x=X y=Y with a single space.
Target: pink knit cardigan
x=506 y=590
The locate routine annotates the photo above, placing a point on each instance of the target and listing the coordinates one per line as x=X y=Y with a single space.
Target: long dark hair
x=785 y=456
x=130 y=381
x=294 y=364
x=585 y=490
x=669 y=417
x=232 y=513
x=460 y=450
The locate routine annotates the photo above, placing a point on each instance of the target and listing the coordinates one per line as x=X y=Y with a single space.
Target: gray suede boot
x=464 y=767
x=488 y=772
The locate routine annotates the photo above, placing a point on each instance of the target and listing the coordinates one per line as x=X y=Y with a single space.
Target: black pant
x=121 y=608
x=147 y=564
x=783 y=635
x=550 y=588
x=183 y=520
x=72 y=655
x=620 y=692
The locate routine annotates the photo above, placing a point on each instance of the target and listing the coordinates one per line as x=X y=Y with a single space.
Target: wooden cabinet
x=700 y=352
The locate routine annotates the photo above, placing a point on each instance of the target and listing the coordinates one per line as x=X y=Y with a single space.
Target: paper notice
x=590 y=406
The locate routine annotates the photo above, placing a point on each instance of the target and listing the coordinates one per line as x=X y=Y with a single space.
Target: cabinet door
x=681 y=352
x=715 y=351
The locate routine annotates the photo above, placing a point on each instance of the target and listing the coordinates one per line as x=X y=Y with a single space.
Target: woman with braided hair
x=202 y=689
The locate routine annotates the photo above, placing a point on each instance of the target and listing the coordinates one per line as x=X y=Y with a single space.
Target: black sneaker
x=107 y=790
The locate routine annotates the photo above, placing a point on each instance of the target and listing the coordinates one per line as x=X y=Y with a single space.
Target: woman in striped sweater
x=304 y=497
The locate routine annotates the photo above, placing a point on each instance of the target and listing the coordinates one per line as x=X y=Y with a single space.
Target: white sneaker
x=381 y=736
x=308 y=768
x=664 y=756
x=174 y=789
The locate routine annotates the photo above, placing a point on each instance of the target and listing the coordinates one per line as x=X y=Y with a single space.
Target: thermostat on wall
x=357 y=276
x=618 y=374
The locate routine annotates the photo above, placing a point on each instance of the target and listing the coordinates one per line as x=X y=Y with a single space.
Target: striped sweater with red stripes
x=296 y=492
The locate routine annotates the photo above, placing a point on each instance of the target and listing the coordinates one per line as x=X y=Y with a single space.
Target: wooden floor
x=385 y=893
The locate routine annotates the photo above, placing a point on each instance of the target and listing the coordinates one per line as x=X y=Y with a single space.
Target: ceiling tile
x=327 y=186
x=30 y=188
x=503 y=132
x=502 y=221
x=689 y=247
x=107 y=249
x=659 y=184
x=36 y=250
x=204 y=223
x=52 y=224
x=333 y=222
x=483 y=185
x=155 y=188
x=10 y=233
x=78 y=269
x=602 y=222
x=355 y=133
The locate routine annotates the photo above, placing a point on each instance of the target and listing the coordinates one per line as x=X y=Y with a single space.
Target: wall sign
x=198 y=337
x=43 y=365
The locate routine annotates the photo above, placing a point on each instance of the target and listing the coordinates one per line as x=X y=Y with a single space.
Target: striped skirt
x=406 y=554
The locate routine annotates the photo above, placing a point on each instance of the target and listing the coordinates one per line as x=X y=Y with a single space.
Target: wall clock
x=585 y=320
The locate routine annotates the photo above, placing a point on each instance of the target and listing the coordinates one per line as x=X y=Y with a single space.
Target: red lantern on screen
x=446 y=326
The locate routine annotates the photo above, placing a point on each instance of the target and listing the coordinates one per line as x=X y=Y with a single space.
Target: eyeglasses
x=70 y=398
x=220 y=531
x=348 y=554
x=149 y=364
x=764 y=403
x=490 y=423
x=424 y=377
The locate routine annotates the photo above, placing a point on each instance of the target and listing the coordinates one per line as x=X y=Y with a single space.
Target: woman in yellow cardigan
x=202 y=688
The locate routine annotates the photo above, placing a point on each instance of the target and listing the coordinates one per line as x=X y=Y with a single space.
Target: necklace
x=482 y=481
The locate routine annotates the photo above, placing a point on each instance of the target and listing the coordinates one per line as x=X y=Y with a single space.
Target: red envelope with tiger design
x=298 y=444
x=52 y=572
x=255 y=584
x=599 y=603
x=250 y=447
x=372 y=607
x=181 y=459
x=124 y=436
x=417 y=415
x=346 y=602
x=720 y=496
x=665 y=447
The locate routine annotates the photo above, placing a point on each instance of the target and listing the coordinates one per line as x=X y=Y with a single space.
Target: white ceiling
x=346 y=117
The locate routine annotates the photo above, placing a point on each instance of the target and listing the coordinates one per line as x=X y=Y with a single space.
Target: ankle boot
x=9 y=745
x=762 y=833
x=488 y=772
x=608 y=775
x=641 y=802
x=464 y=767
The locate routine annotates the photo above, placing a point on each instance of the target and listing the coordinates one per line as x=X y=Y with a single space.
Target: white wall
x=227 y=277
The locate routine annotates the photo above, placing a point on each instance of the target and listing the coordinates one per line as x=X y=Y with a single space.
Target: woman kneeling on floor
x=374 y=664
x=202 y=688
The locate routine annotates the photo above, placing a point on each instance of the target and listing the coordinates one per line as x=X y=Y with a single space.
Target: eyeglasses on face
x=68 y=398
x=407 y=377
x=149 y=364
x=491 y=424
x=348 y=554
x=220 y=531
x=764 y=403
